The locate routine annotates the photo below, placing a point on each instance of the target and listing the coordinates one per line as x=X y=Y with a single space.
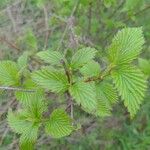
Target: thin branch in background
x=70 y=104
x=138 y=13
x=127 y=19
x=116 y=10
x=46 y=27
x=89 y=18
x=9 y=12
x=12 y=5
x=66 y=28
x=10 y=44
x=16 y=89
x=69 y=98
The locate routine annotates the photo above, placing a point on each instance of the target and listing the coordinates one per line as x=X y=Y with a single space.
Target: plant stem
x=46 y=26
x=69 y=98
x=102 y=76
x=16 y=89
x=66 y=28
x=10 y=44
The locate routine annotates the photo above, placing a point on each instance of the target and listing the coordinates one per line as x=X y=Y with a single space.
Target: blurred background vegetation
x=33 y=25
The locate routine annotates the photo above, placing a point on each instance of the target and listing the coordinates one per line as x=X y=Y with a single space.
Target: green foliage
x=83 y=79
x=85 y=95
x=82 y=57
x=106 y=96
x=23 y=60
x=52 y=57
x=132 y=5
x=126 y=46
x=55 y=81
x=92 y=68
x=59 y=124
x=23 y=125
x=9 y=73
x=144 y=66
x=29 y=41
x=131 y=85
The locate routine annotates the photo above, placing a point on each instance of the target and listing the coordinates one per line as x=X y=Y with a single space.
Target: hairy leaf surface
x=52 y=57
x=82 y=56
x=59 y=124
x=126 y=45
x=9 y=73
x=131 y=85
x=85 y=95
x=55 y=81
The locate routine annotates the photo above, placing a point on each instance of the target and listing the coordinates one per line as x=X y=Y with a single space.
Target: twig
x=16 y=89
x=139 y=12
x=66 y=28
x=12 y=19
x=11 y=45
x=46 y=27
x=116 y=10
x=10 y=6
x=102 y=76
x=89 y=18
x=70 y=104
x=67 y=72
x=69 y=98
x=127 y=19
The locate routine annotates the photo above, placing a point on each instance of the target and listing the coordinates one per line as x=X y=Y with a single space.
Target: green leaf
x=28 y=41
x=91 y=69
x=85 y=95
x=19 y=122
x=82 y=57
x=126 y=46
x=9 y=73
x=131 y=85
x=59 y=124
x=22 y=124
x=27 y=139
x=55 y=81
x=52 y=57
x=35 y=105
x=23 y=60
x=107 y=92
x=26 y=144
x=106 y=96
x=25 y=97
x=144 y=66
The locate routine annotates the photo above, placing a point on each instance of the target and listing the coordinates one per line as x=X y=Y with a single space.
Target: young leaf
x=103 y=108
x=36 y=105
x=52 y=57
x=28 y=138
x=55 y=81
x=144 y=66
x=19 y=122
x=59 y=124
x=126 y=46
x=25 y=97
x=131 y=85
x=91 y=69
x=82 y=57
x=22 y=124
x=85 y=95
x=26 y=144
x=23 y=60
x=9 y=73
x=106 y=96
x=107 y=92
